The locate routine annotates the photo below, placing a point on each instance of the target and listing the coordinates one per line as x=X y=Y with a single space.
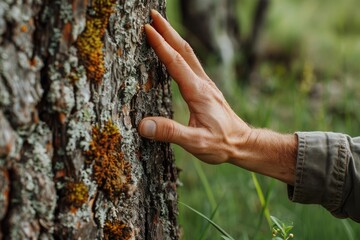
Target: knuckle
x=202 y=146
x=176 y=59
x=204 y=89
x=170 y=132
x=212 y=90
x=202 y=93
x=188 y=48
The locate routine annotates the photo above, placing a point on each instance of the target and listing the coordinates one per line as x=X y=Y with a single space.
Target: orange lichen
x=120 y=52
x=89 y=43
x=62 y=117
x=116 y=230
x=23 y=28
x=67 y=33
x=33 y=62
x=110 y=170
x=148 y=85
x=76 y=194
x=60 y=173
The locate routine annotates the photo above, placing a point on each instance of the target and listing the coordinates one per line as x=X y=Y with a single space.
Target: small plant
x=281 y=230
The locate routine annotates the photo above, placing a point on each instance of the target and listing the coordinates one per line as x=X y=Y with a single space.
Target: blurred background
x=285 y=65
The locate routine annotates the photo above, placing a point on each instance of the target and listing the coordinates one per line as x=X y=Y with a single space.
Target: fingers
x=176 y=41
x=166 y=130
x=174 y=62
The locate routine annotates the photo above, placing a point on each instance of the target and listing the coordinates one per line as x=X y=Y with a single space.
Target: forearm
x=268 y=153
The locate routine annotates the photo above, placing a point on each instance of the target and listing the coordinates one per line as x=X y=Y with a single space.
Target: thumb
x=164 y=129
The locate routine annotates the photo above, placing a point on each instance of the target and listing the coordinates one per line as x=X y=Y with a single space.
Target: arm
x=321 y=168
x=215 y=134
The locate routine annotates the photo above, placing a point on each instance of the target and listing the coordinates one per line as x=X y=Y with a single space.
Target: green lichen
x=66 y=13
x=35 y=191
x=76 y=194
x=61 y=97
x=54 y=41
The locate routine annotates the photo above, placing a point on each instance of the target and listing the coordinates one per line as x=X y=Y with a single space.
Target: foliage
x=281 y=230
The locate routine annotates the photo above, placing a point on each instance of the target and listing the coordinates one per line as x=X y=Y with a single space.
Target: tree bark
x=76 y=77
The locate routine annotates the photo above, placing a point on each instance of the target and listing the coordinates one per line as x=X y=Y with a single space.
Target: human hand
x=214 y=133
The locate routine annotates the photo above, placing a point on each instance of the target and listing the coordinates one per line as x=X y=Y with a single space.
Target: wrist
x=268 y=153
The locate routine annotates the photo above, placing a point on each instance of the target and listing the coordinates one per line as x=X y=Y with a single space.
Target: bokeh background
x=285 y=65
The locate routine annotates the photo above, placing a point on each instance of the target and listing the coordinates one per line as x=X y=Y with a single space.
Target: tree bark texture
x=76 y=77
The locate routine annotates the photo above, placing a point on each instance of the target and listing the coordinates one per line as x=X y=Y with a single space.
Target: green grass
x=318 y=92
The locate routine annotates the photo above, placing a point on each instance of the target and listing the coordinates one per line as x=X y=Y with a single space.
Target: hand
x=215 y=134
x=213 y=127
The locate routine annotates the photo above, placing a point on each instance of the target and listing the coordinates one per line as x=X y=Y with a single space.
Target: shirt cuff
x=320 y=170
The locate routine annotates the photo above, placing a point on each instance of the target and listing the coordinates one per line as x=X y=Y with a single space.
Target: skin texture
x=215 y=134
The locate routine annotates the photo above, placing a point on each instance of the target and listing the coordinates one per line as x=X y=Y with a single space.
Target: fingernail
x=148 y=128
x=147 y=26
x=153 y=12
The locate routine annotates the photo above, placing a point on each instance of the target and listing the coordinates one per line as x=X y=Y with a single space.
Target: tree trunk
x=214 y=31
x=213 y=27
x=247 y=66
x=76 y=77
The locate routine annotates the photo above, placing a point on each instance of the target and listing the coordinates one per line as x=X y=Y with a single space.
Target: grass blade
x=203 y=234
x=261 y=217
x=348 y=229
x=206 y=185
x=262 y=199
x=278 y=224
x=225 y=238
x=209 y=193
x=222 y=231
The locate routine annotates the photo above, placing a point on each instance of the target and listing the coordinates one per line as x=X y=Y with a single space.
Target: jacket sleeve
x=328 y=173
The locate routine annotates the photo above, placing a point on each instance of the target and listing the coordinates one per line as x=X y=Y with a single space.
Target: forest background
x=306 y=78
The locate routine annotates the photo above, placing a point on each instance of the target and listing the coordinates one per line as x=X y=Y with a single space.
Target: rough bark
x=76 y=77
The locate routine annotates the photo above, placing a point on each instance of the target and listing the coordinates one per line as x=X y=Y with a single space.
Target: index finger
x=176 y=41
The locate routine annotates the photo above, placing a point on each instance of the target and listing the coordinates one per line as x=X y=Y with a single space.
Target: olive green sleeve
x=328 y=173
